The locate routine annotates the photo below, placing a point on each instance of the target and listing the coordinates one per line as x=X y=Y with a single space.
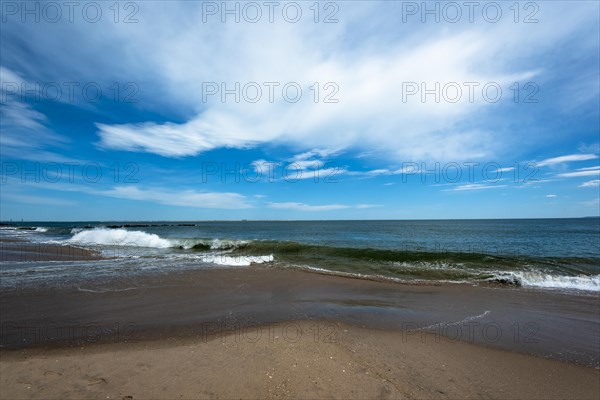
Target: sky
x=156 y=110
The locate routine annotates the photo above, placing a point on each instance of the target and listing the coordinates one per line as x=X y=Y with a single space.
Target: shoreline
x=263 y=331
x=191 y=302
x=278 y=361
x=17 y=249
x=20 y=250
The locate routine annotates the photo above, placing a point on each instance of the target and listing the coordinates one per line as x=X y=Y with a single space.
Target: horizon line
x=297 y=220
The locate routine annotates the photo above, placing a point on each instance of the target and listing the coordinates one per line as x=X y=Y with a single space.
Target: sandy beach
x=18 y=250
x=299 y=200
x=288 y=360
x=268 y=332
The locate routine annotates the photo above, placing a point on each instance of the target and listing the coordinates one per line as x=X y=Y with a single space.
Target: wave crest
x=236 y=261
x=548 y=281
x=367 y=263
x=120 y=237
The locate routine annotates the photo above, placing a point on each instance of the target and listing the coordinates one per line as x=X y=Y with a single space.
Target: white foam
x=236 y=261
x=10 y=231
x=222 y=244
x=538 y=279
x=214 y=244
x=186 y=243
x=120 y=237
x=462 y=321
x=41 y=229
x=105 y=290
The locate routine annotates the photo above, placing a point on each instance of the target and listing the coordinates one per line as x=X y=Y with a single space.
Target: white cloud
x=368 y=61
x=185 y=198
x=407 y=168
x=323 y=207
x=325 y=174
x=371 y=114
x=265 y=170
x=506 y=169
x=314 y=154
x=307 y=207
x=172 y=197
x=24 y=131
x=308 y=165
x=369 y=205
x=31 y=199
x=533 y=182
x=567 y=158
x=551 y=196
x=594 y=168
x=589 y=148
x=473 y=186
x=593 y=171
x=376 y=172
x=592 y=183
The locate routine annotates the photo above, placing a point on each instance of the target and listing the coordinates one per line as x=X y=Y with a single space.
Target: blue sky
x=151 y=110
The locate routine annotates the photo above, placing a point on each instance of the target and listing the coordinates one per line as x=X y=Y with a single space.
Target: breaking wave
x=367 y=263
x=119 y=237
x=549 y=281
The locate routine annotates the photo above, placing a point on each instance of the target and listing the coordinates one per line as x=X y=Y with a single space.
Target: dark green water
x=543 y=253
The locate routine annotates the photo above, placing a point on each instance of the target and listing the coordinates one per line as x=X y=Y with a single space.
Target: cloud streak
x=565 y=159
x=473 y=186
x=590 y=171
x=371 y=114
x=323 y=207
x=592 y=183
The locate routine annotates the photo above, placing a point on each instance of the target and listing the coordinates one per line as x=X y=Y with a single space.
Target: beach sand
x=263 y=332
x=290 y=360
x=16 y=250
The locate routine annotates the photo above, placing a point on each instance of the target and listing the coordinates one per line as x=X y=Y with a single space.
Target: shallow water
x=553 y=254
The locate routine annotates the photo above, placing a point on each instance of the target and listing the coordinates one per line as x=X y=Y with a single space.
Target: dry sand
x=304 y=359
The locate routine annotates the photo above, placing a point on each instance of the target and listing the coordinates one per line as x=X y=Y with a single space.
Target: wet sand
x=291 y=360
x=258 y=332
x=192 y=302
x=16 y=250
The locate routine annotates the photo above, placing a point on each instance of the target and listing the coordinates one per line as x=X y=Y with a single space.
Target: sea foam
x=235 y=261
x=122 y=237
x=542 y=280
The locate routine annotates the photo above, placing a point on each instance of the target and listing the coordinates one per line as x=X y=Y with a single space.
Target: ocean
x=529 y=286
x=544 y=254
